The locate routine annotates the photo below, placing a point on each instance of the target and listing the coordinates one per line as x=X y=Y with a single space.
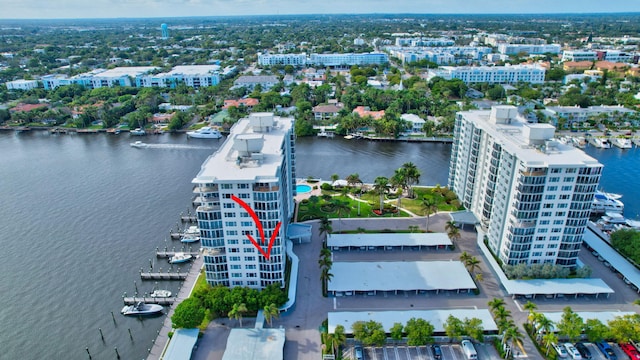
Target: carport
x=463 y=218
x=557 y=287
x=399 y=276
x=390 y=241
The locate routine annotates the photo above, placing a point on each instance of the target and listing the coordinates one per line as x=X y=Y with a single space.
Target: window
x=249 y=258
x=558 y=222
x=555 y=170
x=226 y=186
x=554 y=238
x=560 y=213
x=252 y=283
x=552 y=188
x=564 y=197
x=537 y=254
x=246 y=223
x=229 y=205
x=539 y=246
x=244 y=196
x=556 y=230
x=550 y=253
x=232 y=242
x=243 y=186
x=542 y=231
x=569 y=179
x=554 y=179
x=235 y=267
x=229 y=214
x=548 y=206
x=234 y=258
x=232 y=233
x=236 y=283
x=249 y=250
x=234 y=250
x=567 y=188
x=251 y=275
x=250 y=267
x=544 y=222
x=562 y=206
x=230 y=223
x=546 y=213
x=549 y=197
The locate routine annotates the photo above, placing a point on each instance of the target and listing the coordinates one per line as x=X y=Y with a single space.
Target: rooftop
x=131 y=71
x=592 y=286
x=181 y=344
x=513 y=137
x=193 y=69
x=263 y=168
x=616 y=260
x=400 y=275
x=255 y=344
x=397 y=239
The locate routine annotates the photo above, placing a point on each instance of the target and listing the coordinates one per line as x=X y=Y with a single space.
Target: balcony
x=213 y=251
x=533 y=173
x=266 y=188
x=204 y=189
x=523 y=224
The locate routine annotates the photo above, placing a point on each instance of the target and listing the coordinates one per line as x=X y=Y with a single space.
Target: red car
x=630 y=350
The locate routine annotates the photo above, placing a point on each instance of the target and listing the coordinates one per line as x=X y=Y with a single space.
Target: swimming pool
x=302 y=188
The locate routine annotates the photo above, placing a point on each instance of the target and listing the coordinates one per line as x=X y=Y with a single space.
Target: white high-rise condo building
x=512 y=74
x=532 y=194
x=255 y=166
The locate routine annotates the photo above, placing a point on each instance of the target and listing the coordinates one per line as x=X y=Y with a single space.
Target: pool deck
x=306 y=195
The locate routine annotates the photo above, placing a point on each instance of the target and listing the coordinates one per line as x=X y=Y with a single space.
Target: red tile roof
x=364 y=111
x=27 y=107
x=248 y=102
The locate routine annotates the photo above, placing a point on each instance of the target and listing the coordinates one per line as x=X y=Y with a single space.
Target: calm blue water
x=621 y=175
x=82 y=214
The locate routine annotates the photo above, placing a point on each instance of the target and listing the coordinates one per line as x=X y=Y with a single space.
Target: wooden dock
x=168 y=254
x=163 y=275
x=130 y=300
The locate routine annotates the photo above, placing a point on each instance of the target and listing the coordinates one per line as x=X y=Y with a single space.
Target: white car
x=561 y=350
x=572 y=351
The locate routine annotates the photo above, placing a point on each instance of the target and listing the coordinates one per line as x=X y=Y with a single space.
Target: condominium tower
x=531 y=193
x=253 y=171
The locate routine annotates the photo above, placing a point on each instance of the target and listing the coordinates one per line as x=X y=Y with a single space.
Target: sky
x=70 y=9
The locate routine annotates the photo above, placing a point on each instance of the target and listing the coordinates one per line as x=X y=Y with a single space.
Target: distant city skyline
x=70 y=9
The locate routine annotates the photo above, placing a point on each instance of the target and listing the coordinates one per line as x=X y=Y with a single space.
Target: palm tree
x=412 y=174
x=430 y=207
x=381 y=187
x=399 y=182
x=325 y=227
x=529 y=306
x=339 y=338
x=449 y=226
x=543 y=324
x=325 y=277
x=549 y=339
x=513 y=335
x=496 y=303
x=501 y=313
x=353 y=179
x=325 y=262
x=341 y=207
x=454 y=234
x=271 y=311
x=325 y=252
x=237 y=311
x=472 y=264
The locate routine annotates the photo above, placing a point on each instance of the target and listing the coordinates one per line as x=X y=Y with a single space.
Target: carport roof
x=464 y=217
x=394 y=239
x=557 y=286
x=616 y=260
x=437 y=318
x=400 y=275
x=255 y=344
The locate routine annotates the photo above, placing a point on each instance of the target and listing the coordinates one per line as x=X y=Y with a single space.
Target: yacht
x=622 y=143
x=190 y=238
x=205 y=133
x=139 y=144
x=604 y=203
x=160 y=294
x=600 y=143
x=141 y=309
x=137 y=132
x=179 y=258
x=579 y=142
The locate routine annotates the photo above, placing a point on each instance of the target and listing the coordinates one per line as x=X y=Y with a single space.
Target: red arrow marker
x=254 y=216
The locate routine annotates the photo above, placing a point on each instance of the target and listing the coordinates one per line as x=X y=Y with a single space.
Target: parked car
x=630 y=350
x=584 y=350
x=358 y=353
x=437 y=351
x=606 y=349
x=561 y=350
x=572 y=351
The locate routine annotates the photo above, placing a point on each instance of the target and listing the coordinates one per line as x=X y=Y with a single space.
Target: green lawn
x=307 y=210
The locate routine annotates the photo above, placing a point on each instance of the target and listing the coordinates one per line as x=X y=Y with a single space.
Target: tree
x=237 y=311
x=430 y=207
x=473 y=328
x=549 y=339
x=188 y=314
x=625 y=328
x=595 y=330
x=495 y=303
x=454 y=328
x=472 y=264
x=412 y=176
x=396 y=331
x=512 y=335
x=381 y=188
x=449 y=226
x=325 y=226
x=570 y=325
x=341 y=207
x=501 y=313
x=325 y=277
x=543 y=326
x=271 y=311
x=336 y=339
x=454 y=234
x=369 y=333
x=419 y=332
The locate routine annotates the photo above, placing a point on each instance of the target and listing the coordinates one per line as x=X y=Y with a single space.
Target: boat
x=190 y=238
x=579 y=142
x=190 y=235
x=622 y=143
x=636 y=141
x=141 y=309
x=139 y=144
x=180 y=258
x=326 y=134
x=160 y=294
x=600 y=143
x=603 y=203
x=348 y=137
x=205 y=133
x=138 y=132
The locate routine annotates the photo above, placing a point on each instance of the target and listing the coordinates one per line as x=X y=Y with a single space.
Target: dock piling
x=88 y=353
x=101 y=335
x=117 y=353
x=130 y=336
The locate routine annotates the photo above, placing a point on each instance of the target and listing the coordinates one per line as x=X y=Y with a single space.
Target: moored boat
x=137 y=132
x=622 y=143
x=160 y=294
x=600 y=143
x=205 y=133
x=179 y=258
x=602 y=202
x=141 y=309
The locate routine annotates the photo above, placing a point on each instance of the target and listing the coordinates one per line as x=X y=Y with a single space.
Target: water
x=620 y=175
x=82 y=214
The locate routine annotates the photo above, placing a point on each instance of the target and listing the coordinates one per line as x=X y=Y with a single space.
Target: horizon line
x=328 y=14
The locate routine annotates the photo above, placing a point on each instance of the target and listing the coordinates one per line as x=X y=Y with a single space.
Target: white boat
x=139 y=144
x=190 y=238
x=160 y=294
x=179 y=258
x=600 y=143
x=636 y=141
x=604 y=203
x=138 y=132
x=141 y=309
x=579 y=142
x=205 y=133
x=622 y=143
x=348 y=137
x=190 y=235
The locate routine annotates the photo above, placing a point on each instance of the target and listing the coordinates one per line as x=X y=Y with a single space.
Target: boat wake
x=176 y=147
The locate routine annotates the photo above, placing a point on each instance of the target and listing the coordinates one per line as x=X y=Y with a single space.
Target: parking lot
x=449 y=352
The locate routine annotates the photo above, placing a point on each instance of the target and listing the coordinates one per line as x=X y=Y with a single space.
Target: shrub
x=326 y=186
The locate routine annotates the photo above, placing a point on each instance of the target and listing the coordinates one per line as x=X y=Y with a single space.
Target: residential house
x=266 y=82
x=249 y=103
x=325 y=112
x=366 y=111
